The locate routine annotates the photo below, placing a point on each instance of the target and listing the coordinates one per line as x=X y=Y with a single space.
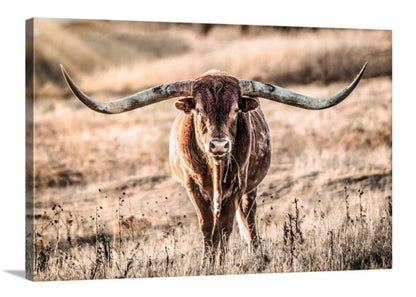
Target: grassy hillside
x=121 y=57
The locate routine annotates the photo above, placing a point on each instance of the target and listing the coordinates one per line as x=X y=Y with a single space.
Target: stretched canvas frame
x=101 y=202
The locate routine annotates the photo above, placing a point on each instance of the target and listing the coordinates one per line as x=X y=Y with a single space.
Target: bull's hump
x=211 y=71
x=215 y=72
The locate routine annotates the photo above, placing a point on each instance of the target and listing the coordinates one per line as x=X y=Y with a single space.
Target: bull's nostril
x=227 y=145
x=212 y=145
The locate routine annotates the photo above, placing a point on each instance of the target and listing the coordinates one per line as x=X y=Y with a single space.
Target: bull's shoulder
x=258 y=121
x=184 y=153
x=260 y=154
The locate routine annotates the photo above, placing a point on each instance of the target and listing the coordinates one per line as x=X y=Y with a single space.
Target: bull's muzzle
x=219 y=147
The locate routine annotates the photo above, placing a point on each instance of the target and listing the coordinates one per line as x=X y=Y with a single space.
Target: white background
x=398 y=16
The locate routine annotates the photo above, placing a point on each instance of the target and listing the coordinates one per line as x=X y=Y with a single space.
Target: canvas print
x=160 y=149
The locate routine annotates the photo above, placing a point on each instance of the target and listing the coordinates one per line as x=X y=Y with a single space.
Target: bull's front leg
x=223 y=228
x=246 y=218
x=206 y=219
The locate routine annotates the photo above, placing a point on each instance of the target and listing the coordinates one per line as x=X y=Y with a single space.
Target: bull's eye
x=236 y=110
x=199 y=115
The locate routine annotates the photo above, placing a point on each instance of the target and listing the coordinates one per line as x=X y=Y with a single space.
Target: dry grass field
x=106 y=204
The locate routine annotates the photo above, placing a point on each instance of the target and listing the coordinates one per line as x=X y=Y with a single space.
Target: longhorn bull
x=219 y=144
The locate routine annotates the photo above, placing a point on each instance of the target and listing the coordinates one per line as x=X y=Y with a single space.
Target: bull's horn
x=278 y=94
x=140 y=99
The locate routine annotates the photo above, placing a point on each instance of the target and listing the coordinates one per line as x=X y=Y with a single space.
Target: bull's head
x=215 y=103
x=214 y=99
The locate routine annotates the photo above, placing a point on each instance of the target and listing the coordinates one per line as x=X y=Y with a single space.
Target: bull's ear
x=248 y=103
x=185 y=104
